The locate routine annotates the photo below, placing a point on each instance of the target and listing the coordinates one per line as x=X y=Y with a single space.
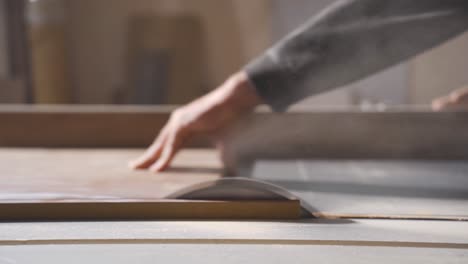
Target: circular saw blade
x=238 y=189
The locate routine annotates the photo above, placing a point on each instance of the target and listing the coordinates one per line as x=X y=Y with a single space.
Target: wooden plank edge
x=159 y=210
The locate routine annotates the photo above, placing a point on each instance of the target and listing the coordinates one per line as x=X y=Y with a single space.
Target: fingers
x=152 y=154
x=158 y=157
x=441 y=104
x=170 y=149
x=456 y=100
x=459 y=96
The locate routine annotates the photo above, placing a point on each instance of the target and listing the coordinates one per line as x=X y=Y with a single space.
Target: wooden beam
x=83 y=126
x=346 y=133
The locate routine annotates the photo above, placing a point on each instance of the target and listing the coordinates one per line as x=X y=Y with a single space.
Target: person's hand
x=458 y=99
x=209 y=115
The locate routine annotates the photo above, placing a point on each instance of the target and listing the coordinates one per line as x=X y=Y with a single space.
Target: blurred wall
x=440 y=71
x=234 y=32
x=3 y=43
x=48 y=41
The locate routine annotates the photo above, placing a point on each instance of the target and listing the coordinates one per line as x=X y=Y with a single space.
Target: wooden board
x=40 y=184
x=150 y=210
x=317 y=133
x=92 y=174
x=352 y=189
x=84 y=126
x=65 y=126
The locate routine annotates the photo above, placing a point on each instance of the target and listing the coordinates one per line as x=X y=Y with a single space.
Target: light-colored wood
x=40 y=174
x=96 y=184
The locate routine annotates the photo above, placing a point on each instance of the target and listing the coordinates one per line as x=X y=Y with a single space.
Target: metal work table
x=341 y=241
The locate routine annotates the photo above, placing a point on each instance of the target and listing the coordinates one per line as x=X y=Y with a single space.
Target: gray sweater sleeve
x=350 y=40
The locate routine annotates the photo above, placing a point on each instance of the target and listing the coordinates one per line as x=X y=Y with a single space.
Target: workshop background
x=345 y=185
x=172 y=51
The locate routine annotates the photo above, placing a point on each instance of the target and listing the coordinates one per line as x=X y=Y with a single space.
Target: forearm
x=352 y=40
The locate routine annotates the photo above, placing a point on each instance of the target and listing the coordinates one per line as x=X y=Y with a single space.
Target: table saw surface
x=95 y=174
